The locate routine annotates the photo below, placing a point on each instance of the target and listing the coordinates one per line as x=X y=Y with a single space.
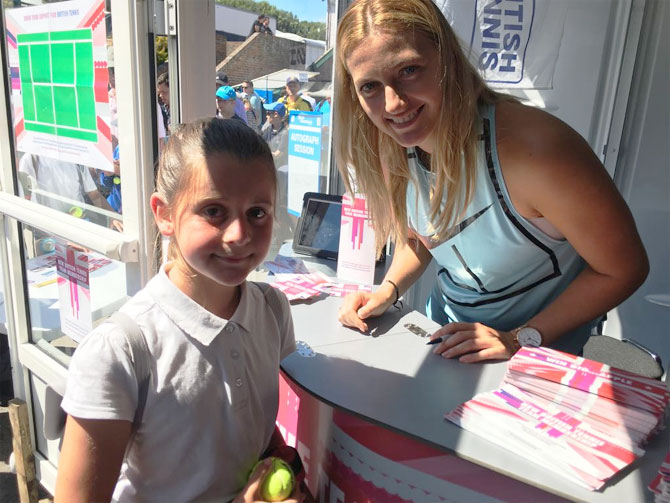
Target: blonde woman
x=532 y=241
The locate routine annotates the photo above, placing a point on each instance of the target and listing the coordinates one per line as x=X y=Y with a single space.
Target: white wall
x=643 y=176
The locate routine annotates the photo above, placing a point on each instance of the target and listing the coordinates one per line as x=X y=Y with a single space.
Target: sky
x=305 y=10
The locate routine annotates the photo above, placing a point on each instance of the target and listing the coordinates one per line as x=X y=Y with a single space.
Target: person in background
x=292 y=100
x=252 y=121
x=275 y=132
x=222 y=80
x=163 y=92
x=112 y=184
x=260 y=25
x=66 y=187
x=215 y=341
x=225 y=103
x=254 y=100
x=266 y=26
x=532 y=241
x=323 y=106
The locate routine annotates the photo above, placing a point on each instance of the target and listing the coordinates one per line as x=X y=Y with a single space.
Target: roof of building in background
x=277 y=80
x=298 y=38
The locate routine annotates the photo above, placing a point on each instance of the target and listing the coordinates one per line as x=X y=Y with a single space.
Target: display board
x=59 y=81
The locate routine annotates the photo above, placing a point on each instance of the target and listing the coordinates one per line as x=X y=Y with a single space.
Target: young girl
x=215 y=341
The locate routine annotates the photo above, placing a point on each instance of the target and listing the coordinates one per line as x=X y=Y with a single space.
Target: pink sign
x=74 y=292
x=357 y=253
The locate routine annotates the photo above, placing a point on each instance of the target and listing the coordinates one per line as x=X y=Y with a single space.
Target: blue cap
x=116 y=153
x=226 y=93
x=277 y=106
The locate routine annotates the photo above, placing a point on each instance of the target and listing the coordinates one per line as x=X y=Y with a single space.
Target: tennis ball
x=279 y=481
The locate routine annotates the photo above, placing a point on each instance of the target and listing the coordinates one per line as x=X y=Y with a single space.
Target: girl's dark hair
x=196 y=141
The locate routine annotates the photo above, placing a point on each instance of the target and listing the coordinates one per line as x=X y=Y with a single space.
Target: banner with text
x=74 y=292
x=356 y=255
x=304 y=157
x=513 y=43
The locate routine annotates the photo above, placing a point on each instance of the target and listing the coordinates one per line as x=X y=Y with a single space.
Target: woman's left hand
x=473 y=342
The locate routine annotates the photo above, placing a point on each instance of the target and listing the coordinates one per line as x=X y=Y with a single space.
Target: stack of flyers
x=578 y=418
x=660 y=486
x=600 y=392
x=305 y=286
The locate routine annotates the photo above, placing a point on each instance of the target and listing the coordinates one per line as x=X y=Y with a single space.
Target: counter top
x=392 y=378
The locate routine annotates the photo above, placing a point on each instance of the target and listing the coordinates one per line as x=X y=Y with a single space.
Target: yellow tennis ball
x=279 y=481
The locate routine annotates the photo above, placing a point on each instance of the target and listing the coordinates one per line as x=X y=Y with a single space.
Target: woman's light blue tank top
x=494 y=266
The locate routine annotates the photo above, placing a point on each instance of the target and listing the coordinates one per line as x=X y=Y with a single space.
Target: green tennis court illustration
x=57 y=76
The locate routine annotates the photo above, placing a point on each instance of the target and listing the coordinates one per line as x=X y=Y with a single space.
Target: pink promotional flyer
x=356 y=257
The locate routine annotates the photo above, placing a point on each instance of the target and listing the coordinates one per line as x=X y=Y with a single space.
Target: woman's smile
x=406 y=119
x=397 y=82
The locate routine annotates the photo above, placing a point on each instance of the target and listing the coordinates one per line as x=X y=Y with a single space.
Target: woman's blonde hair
x=361 y=146
x=195 y=142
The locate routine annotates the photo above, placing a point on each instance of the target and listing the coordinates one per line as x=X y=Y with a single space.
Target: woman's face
x=397 y=81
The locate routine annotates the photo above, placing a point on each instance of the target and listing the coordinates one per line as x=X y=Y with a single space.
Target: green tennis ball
x=279 y=481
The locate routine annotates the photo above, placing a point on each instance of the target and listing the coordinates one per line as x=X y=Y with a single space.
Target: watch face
x=529 y=336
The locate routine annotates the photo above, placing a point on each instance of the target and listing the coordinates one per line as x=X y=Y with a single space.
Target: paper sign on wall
x=59 y=79
x=356 y=256
x=74 y=292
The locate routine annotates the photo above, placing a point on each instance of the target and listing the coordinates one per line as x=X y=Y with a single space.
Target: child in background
x=252 y=120
x=110 y=185
x=215 y=341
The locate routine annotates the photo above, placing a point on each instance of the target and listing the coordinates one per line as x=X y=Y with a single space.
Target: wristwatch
x=526 y=336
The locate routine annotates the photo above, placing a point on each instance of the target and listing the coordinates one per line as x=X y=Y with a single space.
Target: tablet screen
x=319 y=230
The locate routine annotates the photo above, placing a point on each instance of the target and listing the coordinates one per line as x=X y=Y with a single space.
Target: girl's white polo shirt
x=213 y=399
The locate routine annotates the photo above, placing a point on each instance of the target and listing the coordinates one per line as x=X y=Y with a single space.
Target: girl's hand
x=474 y=342
x=252 y=491
x=359 y=306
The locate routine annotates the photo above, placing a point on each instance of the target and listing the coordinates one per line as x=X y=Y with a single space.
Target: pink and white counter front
x=366 y=413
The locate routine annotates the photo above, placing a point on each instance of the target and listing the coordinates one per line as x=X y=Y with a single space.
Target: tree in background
x=161 y=49
x=286 y=21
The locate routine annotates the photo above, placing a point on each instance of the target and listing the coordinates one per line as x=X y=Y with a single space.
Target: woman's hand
x=252 y=491
x=359 y=306
x=474 y=342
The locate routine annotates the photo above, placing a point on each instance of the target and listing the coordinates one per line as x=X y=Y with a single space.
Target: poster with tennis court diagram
x=59 y=81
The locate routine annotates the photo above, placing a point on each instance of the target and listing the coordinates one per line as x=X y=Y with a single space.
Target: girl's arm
x=552 y=172
x=90 y=459
x=409 y=262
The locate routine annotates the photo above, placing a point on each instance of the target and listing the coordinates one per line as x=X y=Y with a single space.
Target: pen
x=435 y=341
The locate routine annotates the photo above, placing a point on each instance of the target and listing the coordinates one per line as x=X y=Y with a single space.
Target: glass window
x=63 y=106
x=70 y=290
x=280 y=67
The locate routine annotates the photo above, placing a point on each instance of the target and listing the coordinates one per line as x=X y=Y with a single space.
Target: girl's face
x=397 y=81
x=222 y=225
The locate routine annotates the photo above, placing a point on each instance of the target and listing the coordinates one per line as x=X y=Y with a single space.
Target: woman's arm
x=409 y=262
x=551 y=172
x=90 y=459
